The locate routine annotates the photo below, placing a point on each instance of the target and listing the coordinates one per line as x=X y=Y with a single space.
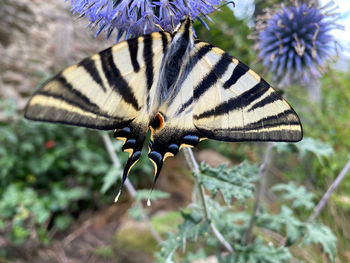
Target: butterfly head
x=185 y=24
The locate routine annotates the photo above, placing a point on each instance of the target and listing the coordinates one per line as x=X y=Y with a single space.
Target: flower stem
x=192 y=163
x=109 y=147
x=329 y=192
x=259 y=193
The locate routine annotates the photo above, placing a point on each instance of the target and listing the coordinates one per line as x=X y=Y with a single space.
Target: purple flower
x=296 y=41
x=138 y=17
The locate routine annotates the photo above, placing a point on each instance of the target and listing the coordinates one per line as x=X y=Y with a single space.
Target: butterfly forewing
x=233 y=103
x=105 y=91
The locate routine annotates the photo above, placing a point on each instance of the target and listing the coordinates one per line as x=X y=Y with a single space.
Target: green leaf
x=155 y=195
x=284 y=223
x=110 y=179
x=235 y=182
x=318 y=233
x=297 y=194
x=62 y=222
x=191 y=228
x=63 y=197
x=135 y=211
x=256 y=252
x=322 y=150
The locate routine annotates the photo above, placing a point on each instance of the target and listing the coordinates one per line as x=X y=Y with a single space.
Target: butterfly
x=182 y=89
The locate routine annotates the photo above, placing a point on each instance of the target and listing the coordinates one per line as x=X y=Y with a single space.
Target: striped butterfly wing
x=233 y=103
x=105 y=91
x=114 y=89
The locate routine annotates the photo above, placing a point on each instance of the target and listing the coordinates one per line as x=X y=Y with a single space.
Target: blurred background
x=58 y=183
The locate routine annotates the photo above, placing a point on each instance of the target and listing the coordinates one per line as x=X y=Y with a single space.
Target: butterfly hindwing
x=233 y=103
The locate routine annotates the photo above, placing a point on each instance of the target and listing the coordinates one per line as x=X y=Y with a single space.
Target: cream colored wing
x=107 y=90
x=233 y=103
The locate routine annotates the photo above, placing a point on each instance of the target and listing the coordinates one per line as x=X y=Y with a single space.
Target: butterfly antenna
x=157 y=26
x=172 y=22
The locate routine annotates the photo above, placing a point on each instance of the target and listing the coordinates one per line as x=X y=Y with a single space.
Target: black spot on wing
x=240 y=102
x=133 y=45
x=116 y=80
x=90 y=67
x=237 y=73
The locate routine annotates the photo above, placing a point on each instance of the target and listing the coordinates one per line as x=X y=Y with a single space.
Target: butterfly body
x=182 y=89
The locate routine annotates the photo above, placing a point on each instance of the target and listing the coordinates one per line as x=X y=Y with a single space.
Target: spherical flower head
x=296 y=41
x=132 y=18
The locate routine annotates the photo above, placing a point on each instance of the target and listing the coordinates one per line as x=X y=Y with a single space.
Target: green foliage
x=297 y=194
x=319 y=234
x=141 y=195
x=308 y=145
x=48 y=174
x=111 y=178
x=22 y=210
x=104 y=252
x=284 y=223
x=320 y=149
x=195 y=231
x=232 y=183
x=257 y=252
x=229 y=34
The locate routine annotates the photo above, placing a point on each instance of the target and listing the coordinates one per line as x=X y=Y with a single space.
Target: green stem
x=329 y=192
x=259 y=193
x=192 y=163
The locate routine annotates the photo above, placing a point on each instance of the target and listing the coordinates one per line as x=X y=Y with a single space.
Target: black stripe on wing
x=237 y=73
x=133 y=45
x=240 y=102
x=90 y=67
x=196 y=57
x=287 y=128
x=88 y=107
x=116 y=80
x=148 y=58
x=211 y=78
x=271 y=98
x=165 y=41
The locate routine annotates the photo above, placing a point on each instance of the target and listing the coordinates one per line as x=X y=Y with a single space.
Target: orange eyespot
x=161 y=120
x=157 y=122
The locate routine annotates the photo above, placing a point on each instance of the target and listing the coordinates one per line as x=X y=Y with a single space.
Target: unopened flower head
x=296 y=41
x=138 y=17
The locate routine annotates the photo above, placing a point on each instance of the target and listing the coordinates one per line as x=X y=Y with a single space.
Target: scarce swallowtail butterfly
x=182 y=89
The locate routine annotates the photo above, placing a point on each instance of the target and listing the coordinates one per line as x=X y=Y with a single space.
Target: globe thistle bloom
x=138 y=17
x=296 y=41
